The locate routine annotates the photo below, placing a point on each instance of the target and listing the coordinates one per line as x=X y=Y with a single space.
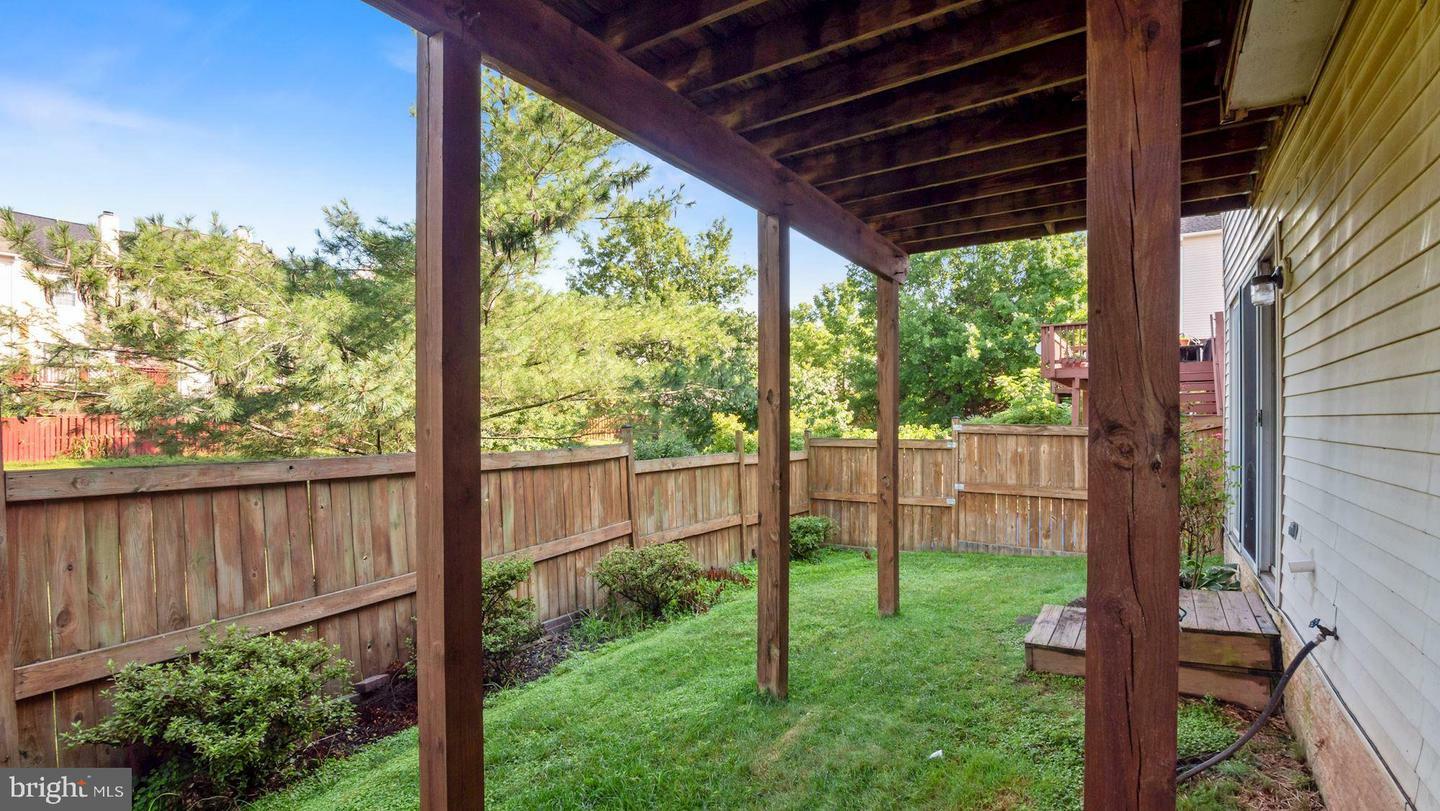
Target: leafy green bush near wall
x=227 y=721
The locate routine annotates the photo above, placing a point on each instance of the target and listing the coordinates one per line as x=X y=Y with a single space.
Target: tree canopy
x=209 y=341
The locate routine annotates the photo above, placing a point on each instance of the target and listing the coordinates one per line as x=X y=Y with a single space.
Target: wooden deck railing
x=1065 y=362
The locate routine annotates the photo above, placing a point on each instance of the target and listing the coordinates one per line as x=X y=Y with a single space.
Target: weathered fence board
x=119 y=565
x=1005 y=488
x=41 y=439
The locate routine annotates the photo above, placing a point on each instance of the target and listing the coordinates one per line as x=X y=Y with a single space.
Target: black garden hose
x=1269 y=710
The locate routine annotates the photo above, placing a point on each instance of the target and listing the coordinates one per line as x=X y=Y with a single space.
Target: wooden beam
x=804 y=33
x=642 y=24
x=1033 y=231
x=945 y=48
x=887 y=445
x=935 y=203
x=772 y=661
x=1061 y=61
x=1050 y=204
x=1214 y=205
x=447 y=467
x=1053 y=112
x=909 y=64
x=1132 y=633
x=896 y=190
x=1037 y=230
x=534 y=44
x=1059 y=111
x=41 y=485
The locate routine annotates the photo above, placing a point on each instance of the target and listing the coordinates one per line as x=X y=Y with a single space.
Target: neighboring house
x=1202 y=287
x=1334 y=401
x=1064 y=348
x=63 y=313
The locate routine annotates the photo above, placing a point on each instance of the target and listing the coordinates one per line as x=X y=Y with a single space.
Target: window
x=64 y=295
x=1254 y=426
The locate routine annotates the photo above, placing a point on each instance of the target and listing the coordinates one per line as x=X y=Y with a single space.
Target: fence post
x=809 y=503
x=9 y=733
x=632 y=502
x=745 y=551
x=955 y=482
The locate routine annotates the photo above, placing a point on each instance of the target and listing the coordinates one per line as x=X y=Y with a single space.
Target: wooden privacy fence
x=1005 y=488
x=40 y=439
x=116 y=565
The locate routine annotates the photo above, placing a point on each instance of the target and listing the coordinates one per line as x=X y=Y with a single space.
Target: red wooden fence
x=41 y=439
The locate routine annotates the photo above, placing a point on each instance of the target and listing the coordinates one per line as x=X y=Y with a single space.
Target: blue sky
x=264 y=111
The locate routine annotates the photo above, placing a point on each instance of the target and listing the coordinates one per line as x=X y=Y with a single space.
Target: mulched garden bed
x=392 y=707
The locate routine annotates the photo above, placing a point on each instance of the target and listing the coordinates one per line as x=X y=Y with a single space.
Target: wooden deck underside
x=1229 y=646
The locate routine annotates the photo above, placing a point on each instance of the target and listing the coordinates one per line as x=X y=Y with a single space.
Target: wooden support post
x=9 y=721
x=447 y=462
x=772 y=660
x=632 y=501
x=887 y=443
x=1132 y=633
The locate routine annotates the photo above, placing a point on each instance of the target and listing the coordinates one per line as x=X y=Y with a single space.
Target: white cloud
x=56 y=109
x=399 y=53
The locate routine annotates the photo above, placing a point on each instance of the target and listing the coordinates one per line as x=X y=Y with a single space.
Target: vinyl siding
x=1202 y=292
x=1353 y=191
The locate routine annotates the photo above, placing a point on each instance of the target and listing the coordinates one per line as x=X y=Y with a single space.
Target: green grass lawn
x=670 y=718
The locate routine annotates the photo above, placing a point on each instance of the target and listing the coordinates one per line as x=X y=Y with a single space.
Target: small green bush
x=663 y=447
x=808 y=535
x=507 y=622
x=227 y=721
x=657 y=581
x=1204 y=498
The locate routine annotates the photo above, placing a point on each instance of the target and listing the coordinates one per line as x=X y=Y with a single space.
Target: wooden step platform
x=1229 y=646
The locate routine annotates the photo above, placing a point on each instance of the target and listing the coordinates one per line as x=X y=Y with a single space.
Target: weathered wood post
x=772 y=661
x=1133 y=212
x=447 y=462
x=632 y=500
x=809 y=475
x=887 y=443
x=746 y=550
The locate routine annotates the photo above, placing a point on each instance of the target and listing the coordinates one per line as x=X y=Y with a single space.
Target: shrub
x=1204 y=497
x=1028 y=401
x=664 y=447
x=658 y=581
x=507 y=622
x=227 y=721
x=808 y=535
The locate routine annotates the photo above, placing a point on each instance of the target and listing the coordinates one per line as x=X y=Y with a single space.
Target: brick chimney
x=109 y=228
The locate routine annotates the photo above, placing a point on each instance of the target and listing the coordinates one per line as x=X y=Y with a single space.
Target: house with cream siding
x=1333 y=419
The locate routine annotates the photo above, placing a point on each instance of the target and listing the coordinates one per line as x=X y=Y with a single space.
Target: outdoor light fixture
x=1265 y=287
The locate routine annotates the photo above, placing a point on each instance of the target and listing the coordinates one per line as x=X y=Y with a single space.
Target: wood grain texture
x=944 y=50
x=802 y=34
x=887 y=455
x=93 y=665
x=773 y=490
x=447 y=468
x=1133 y=180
